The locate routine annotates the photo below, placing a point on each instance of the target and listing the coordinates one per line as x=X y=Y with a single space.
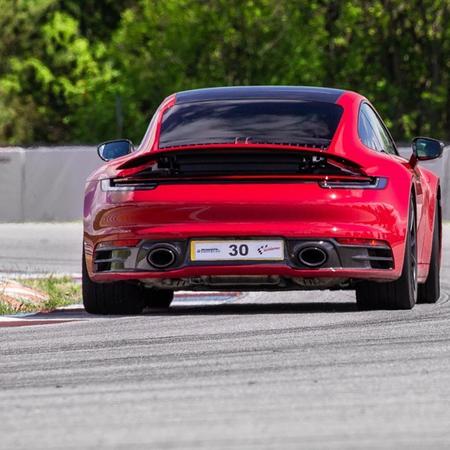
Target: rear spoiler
x=168 y=158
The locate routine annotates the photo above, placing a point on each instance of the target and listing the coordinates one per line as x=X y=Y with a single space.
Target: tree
x=89 y=70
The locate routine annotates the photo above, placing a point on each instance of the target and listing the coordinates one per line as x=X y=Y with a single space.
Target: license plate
x=237 y=250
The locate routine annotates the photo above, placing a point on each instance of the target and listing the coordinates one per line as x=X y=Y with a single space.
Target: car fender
x=431 y=201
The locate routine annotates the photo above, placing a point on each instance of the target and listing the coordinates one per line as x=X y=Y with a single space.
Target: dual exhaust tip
x=312 y=256
x=164 y=256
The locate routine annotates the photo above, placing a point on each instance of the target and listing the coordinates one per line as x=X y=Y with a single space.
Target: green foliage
x=61 y=291
x=90 y=70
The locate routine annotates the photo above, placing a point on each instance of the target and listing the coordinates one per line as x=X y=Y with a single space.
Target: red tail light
x=362 y=242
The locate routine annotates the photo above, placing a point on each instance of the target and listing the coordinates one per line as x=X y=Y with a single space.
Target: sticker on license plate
x=238 y=250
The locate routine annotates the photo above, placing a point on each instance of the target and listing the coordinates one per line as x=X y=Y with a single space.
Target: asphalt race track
x=40 y=248
x=252 y=371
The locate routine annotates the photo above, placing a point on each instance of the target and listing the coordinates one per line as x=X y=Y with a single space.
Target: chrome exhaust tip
x=312 y=256
x=161 y=257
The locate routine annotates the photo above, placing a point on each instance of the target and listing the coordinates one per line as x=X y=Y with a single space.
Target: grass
x=6 y=309
x=61 y=291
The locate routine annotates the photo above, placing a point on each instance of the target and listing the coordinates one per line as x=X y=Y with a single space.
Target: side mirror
x=114 y=149
x=426 y=148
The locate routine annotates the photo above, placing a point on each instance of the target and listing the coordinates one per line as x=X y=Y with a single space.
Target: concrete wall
x=46 y=184
x=11 y=178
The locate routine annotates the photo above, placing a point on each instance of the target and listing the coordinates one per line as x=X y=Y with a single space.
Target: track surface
x=276 y=371
x=40 y=248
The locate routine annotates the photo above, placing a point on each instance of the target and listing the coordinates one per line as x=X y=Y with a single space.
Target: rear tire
x=430 y=291
x=398 y=294
x=118 y=297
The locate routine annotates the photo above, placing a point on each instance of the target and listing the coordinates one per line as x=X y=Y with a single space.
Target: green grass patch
x=61 y=291
x=6 y=309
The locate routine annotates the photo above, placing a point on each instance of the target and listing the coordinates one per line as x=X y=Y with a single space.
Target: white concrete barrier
x=11 y=182
x=46 y=184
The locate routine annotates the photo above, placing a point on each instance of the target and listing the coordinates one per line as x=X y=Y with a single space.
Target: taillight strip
x=373 y=183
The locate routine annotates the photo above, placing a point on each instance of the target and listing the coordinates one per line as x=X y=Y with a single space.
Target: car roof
x=299 y=93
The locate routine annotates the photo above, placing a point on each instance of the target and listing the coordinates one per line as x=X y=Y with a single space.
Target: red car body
x=364 y=205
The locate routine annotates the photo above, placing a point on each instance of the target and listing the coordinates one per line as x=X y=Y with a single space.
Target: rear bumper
x=343 y=261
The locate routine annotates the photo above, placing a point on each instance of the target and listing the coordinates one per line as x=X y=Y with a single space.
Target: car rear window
x=257 y=121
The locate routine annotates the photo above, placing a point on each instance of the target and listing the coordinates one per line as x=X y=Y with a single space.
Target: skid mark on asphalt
x=76 y=313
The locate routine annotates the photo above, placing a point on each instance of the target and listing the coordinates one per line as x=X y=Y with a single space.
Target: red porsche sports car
x=262 y=188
